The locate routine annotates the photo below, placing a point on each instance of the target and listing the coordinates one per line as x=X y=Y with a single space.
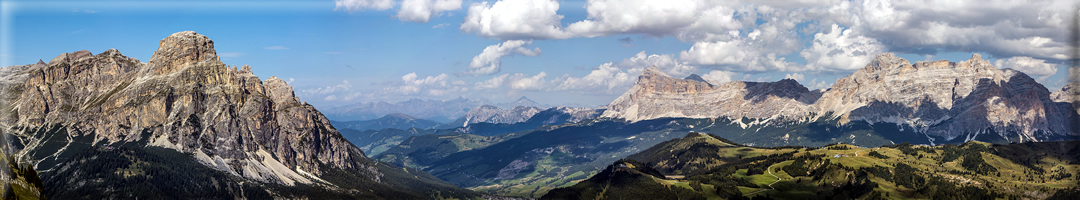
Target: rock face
x=657 y=95
x=947 y=99
x=496 y=115
x=184 y=99
x=1068 y=94
x=940 y=98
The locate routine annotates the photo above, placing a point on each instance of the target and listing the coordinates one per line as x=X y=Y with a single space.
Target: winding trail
x=769 y=170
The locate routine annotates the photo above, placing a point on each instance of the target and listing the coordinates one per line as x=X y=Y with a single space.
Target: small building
x=839 y=155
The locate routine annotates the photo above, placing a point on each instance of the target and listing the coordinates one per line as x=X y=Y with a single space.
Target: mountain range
x=184 y=125
x=939 y=99
x=442 y=111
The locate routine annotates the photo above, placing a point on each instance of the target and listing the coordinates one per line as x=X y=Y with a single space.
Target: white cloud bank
x=489 y=61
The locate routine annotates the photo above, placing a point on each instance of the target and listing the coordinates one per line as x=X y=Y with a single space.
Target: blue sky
x=336 y=52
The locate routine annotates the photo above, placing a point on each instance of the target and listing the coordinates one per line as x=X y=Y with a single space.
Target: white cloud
x=815 y=84
x=841 y=49
x=421 y=10
x=611 y=17
x=1001 y=28
x=440 y=25
x=717 y=77
x=606 y=79
x=340 y=88
x=494 y=82
x=796 y=76
x=523 y=82
x=489 y=61
x=666 y=63
x=735 y=55
x=356 y=5
x=275 y=48
x=515 y=19
x=1028 y=65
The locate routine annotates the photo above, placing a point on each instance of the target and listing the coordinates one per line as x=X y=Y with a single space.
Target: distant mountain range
x=434 y=110
x=939 y=99
x=888 y=102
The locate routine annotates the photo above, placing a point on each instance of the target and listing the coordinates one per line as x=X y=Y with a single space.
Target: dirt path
x=769 y=170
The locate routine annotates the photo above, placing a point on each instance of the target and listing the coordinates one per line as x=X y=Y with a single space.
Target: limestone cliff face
x=940 y=98
x=947 y=99
x=495 y=115
x=657 y=95
x=185 y=99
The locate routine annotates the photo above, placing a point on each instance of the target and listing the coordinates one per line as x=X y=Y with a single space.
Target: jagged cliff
x=495 y=115
x=183 y=99
x=657 y=95
x=939 y=98
x=949 y=99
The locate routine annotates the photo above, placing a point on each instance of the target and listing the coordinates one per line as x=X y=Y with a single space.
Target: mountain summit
x=657 y=95
x=938 y=98
x=185 y=117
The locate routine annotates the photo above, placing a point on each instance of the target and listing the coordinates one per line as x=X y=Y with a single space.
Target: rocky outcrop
x=948 y=99
x=496 y=115
x=657 y=95
x=184 y=99
x=940 y=98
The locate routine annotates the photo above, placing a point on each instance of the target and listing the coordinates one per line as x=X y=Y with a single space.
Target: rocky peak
x=654 y=80
x=494 y=114
x=69 y=57
x=695 y=77
x=181 y=49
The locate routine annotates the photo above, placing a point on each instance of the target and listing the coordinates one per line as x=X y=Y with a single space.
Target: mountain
x=495 y=115
x=939 y=99
x=393 y=120
x=435 y=110
x=657 y=95
x=523 y=101
x=701 y=166
x=375 y=142
x=551 y=116
x=185 y=125
x=950 y=99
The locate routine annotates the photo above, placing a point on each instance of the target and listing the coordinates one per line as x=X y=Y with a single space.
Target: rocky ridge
x=183 y=99
x=939 y=98
x=495 y=115
x=657 y=95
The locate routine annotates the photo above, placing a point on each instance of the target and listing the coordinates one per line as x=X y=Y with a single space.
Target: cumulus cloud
x=736 y=55
x=1028 y=65
x=616 y=78
x=717 y=77
x=815 y=84
x=1001 y=28
x=796 y=76
x=610 y=17
x=523 y=82
x=489 y=61
x=665 y=62
x=494 y=82
x=606 y=79
x=841 y=49
x=357 y=5
x=515 y=19
x=421 y=10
